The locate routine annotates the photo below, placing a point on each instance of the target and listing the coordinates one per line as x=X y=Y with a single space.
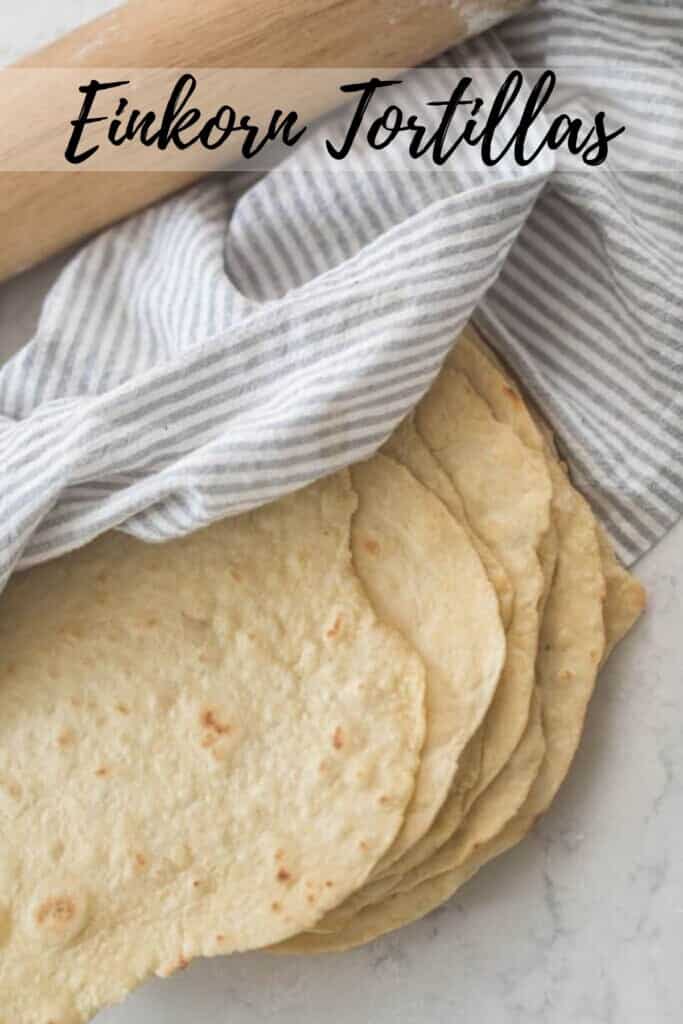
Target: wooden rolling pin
x=42 y=213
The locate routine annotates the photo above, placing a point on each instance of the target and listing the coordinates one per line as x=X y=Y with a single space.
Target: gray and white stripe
x=253 y=334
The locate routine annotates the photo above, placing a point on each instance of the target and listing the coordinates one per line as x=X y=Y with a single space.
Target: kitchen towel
x=253 y=334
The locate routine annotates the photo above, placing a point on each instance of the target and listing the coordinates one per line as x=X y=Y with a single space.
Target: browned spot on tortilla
x=384 y=800
x=323 y=766
x=277 y=907
x=311 y=898
x=76 y=702
x=371 y=546
x=283 y=875
x=279 y=854
x=66 y=738
x=140 y=860
x=182 y=963
x=237 y=576
x=210 y=720
x=196 y=883
x=57 y=851
x=363 y=845
x=329 y=885
x=338 y=738
x=151 y=621
x=11 y=668
x=102 y=772
x=220 y=938
x=123 y=709
x=209 y=740
x=102 y=576
x=14 y=790
x=59 y=910
x=335 y=628
x=511 y=393
x=72 y=630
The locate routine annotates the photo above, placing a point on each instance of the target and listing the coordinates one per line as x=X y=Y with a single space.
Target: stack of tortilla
x=305 y=727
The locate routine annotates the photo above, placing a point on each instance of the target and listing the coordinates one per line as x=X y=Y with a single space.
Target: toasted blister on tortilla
x=204 y=746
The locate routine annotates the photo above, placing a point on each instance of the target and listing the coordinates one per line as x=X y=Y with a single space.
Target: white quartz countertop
x=581 y=924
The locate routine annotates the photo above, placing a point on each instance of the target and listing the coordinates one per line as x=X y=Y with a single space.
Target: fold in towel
x=251 y=335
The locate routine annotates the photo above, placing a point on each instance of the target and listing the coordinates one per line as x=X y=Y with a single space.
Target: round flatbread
x=625 y=596
x=501 y=491
x=425 y=578
x=407 y=448
x=506 y=491
x=204 y=746
x=572 y=645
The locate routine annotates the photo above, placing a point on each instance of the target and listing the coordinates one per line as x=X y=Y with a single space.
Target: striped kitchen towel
x=251 y=335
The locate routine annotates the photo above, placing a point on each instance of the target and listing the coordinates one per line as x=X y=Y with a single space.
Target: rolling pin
x=44 y=212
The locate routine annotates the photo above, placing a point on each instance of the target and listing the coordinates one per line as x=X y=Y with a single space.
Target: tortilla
x=506 y=794
x=493 y=809
x=622 y=595
x=467 y=439
x=571 y=645
x=410 y=450
x=407 y=447
x=155 y=704
x=584 y=617
x=508 y=406
x=568 y=661
x=580 y=626
x=514 y=506
x=625 y=596
x=472 y=357
x=424 y=578
x=506 y=492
